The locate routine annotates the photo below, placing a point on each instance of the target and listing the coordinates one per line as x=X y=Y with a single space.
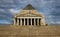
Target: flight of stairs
x=29 y=31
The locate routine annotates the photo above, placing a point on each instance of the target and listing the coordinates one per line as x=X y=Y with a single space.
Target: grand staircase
x=29 y=31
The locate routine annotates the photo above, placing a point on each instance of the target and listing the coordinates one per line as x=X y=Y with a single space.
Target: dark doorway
x=22 y=21
x=25 y=21
x=16 y=20
x=39 y=21
x=29 y=21
x=32 y=21
x=19 y=21
x=36 y=21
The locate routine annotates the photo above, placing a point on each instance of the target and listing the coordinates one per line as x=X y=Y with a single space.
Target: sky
x=50 y=8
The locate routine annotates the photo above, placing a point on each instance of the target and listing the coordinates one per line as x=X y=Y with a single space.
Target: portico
x=26 y=21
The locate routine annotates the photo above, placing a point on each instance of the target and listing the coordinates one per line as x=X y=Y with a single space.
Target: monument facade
x=29 y=16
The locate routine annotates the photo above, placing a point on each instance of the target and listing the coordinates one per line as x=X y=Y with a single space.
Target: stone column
x=38 y=21
x=31 y=21
x=24 y=21
x=17 y=21
x=27 y=21
x=34 y=22
x=43 y=22
x=21 y=22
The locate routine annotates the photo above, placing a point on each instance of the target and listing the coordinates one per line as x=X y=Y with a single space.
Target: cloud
x=2 y=10
x=58 y=22
x=22 y=1
x=7 y=1
x=5 y=22
x=14 y=11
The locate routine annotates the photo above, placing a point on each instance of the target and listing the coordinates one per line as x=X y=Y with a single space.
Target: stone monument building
x=29 y=16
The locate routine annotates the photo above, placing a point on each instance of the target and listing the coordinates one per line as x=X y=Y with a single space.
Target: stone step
x=30 y=31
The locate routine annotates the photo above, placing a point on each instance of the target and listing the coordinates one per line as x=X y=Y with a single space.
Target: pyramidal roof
x=29 y=7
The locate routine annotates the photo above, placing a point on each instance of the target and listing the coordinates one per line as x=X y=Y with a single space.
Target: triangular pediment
x=29 y=11
x=29 y=15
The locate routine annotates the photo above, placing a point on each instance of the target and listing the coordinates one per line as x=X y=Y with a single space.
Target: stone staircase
x=29 y=31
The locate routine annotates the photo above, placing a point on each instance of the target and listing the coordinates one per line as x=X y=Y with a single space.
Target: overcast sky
x=50 y=8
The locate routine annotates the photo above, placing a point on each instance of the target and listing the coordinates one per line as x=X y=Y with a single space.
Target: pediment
x=29 y=11
x=29 y=15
